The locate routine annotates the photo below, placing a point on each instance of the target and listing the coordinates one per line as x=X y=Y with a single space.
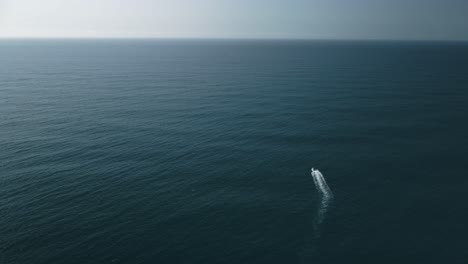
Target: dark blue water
x=139 y=151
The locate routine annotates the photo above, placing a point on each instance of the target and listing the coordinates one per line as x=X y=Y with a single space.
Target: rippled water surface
x=179 y=151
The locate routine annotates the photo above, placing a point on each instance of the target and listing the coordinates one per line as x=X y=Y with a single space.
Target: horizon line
x=226 y=38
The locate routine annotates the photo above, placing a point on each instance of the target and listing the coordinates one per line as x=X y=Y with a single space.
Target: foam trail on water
x=321 y=184
x=326 y=197
x=325 y=194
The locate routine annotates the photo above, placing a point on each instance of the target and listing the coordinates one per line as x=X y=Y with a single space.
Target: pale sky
x=314 y=19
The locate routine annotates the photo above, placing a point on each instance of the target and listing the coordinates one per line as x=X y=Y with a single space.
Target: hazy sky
x=343 y=19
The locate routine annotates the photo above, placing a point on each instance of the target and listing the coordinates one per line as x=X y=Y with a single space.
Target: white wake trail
x=326 y=198
x=325 y=194
x=321 y=184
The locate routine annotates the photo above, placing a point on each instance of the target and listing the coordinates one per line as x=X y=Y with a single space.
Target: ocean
x=200 y=151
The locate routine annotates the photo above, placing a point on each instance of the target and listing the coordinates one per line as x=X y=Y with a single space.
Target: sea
x=201 y=151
